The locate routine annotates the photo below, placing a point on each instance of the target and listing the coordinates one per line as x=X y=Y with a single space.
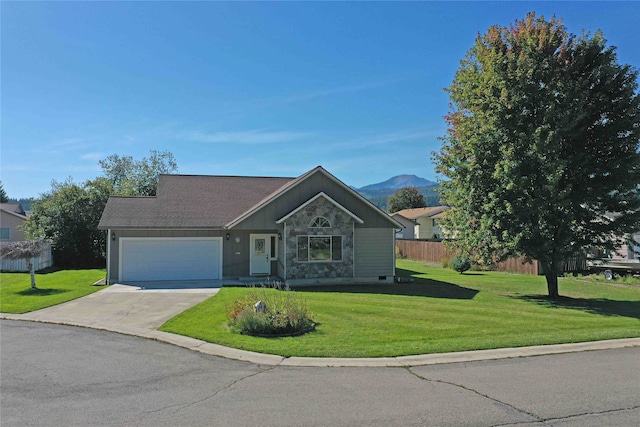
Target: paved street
x=54 y=375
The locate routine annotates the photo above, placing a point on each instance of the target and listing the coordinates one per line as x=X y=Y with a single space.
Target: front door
x=261 y=256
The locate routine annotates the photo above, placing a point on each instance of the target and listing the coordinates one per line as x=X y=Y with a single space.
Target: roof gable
x=301 y=179
x=313 y=199
x=13 y=209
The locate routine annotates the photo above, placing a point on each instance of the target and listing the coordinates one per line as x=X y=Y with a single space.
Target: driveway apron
x=134 y=310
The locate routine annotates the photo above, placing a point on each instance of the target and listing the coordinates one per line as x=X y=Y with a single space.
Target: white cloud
x=93 y=156
x=247 y=137
x=304 y=96
x=70 y=143
x=370 y=139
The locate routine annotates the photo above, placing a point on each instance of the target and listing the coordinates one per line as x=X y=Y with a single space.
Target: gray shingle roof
x=14 y=209
x=191 y=201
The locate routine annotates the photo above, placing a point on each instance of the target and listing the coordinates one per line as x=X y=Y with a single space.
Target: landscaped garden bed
x=270 y=311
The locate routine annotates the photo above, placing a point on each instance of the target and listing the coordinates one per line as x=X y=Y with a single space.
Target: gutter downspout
x=109 y=256
x=284 y=250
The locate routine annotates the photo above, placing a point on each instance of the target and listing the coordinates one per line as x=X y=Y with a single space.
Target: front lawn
x=441 y=311
x=16 y=295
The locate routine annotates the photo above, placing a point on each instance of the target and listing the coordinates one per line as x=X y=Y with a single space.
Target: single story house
x=421 y=223
x=12 y=218
x=312 y=229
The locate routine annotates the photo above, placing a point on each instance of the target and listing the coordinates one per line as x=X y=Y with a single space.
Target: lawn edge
x=371 y=362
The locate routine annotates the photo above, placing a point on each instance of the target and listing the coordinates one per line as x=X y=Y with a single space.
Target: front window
x=319 y=248
x=5 y=233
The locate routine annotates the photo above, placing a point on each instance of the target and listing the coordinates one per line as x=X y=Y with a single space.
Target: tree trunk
x=551 y=274
x=32 y=271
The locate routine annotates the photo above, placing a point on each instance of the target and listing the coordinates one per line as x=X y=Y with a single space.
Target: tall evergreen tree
x=3 y=194
x=543 y=142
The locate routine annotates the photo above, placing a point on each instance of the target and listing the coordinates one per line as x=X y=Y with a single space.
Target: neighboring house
x=634 y=247
x=12 y=217
x=408 y=227
x=307 y=230
x=421 y=223
x=627 y=252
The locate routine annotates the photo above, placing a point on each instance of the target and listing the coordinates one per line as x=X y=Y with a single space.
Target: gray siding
x=374 y=252
x=235 y=256
x=303 y=192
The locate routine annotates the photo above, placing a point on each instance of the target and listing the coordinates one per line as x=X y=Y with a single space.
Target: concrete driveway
x=135 y=309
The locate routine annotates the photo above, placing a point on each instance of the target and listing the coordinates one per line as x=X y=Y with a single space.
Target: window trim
x=320 y=220
x=8 y=233
x=308 y=246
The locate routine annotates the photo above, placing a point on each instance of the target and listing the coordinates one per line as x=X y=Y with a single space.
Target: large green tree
x=542 y=145
x=132 y=177
x=406 y=198
x=68 y=214
x=68 y=217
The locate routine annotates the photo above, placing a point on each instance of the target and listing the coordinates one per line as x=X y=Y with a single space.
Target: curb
x=382 y=362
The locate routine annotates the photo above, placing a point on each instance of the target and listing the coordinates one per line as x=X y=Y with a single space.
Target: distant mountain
x=399 y=181
x=379 y=193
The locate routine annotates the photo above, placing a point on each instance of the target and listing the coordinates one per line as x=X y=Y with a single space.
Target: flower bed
x=271 y=311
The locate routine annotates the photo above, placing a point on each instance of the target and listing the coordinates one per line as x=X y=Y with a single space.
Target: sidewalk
x=140 y=312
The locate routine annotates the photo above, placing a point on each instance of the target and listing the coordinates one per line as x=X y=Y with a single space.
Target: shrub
x=446 y=262
x=285 y=313
x=461 y=264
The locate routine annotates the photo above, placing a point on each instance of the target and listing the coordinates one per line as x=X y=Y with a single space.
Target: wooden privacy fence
x=427 y=252
x=45 y=260
x=435 y=252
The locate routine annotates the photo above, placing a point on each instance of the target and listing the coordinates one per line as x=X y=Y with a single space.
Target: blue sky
x=268 y=89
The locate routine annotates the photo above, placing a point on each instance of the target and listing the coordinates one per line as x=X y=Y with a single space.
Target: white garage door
x=170 y=258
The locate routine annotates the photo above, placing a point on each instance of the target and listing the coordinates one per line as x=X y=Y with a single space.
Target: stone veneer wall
x=298 y=225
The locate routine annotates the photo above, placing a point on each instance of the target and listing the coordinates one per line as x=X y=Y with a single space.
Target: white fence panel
x=45 y=260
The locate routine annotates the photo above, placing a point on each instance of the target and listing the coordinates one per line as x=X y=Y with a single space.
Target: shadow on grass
x=41 y=292
x=602 y=306
x=420 y=287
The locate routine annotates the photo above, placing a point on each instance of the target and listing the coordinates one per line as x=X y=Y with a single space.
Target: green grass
x=16 y=295
x=441 y=311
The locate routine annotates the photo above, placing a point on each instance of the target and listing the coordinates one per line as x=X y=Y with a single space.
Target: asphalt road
x=53 y=375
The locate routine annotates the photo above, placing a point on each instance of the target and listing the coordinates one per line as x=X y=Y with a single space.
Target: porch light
x=228 y=236
x=113 y=236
